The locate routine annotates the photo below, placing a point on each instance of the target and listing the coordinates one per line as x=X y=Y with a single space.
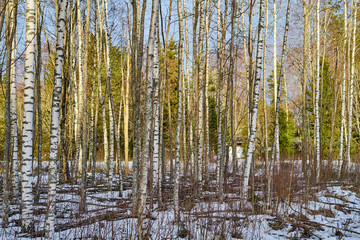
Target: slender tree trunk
x=317 y=93
x=220 y=164
x=200 y=93
x=188 y=93
x=84 y=124
x=179 y=113
x=9 y=29
x=118 y=147
x=276 y=135
x=13 y=112
x=126 y=98
x=54 y=132
x=251 y=140
x=146 y=128
x=351 y=88
x=195 y=83
x=101 y=97
x=111 y=101
x=81 y=92
x=267 y=163
x=156 y=141
x=137 y=123
x=304 y=87
x=206 y=92
x=343 y=89
x=38 y=100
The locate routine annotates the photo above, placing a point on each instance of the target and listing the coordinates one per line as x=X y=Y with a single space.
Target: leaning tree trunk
x=28 y=131
x=54 y=130
x=254 y=110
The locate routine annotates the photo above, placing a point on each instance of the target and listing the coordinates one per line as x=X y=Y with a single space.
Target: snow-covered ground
x=331 y=212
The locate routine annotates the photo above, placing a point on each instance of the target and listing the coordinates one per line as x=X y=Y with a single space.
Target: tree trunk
x=251 y=140
x=38 y=100
x=179 y=113
x=146 y=128
x=220 y=164
x=351 y=88
x=9 y=34
x=317 y=93
x=276 y=135
x=343 y=89
x=84 y=124
x=54 y=131
x=27 y=146
x=13 y=112
x=156 y=141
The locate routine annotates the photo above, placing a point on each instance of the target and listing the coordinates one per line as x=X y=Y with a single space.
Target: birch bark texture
x=254 y=110
x=55 y=114
x=28 y=127
x=351 y=86
x=179 y=113
x=343 y=88
x=146 y=127
x=317 y=93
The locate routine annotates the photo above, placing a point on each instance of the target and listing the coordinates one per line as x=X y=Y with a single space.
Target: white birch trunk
x=188 y=95
x=343 y=89
x=201 y=93
x=81 y=90
x=111 y=102
x=54 y=131
x=220 y=167
x=276 y=136
x=28 y=131
x=179 y=113
x=258 y=70
x=317 y=93
x=14 y=129
x=351 y=87
x=156 y=142
x=146 y=128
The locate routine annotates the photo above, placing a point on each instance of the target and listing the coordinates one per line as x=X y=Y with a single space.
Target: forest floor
x=300 y=209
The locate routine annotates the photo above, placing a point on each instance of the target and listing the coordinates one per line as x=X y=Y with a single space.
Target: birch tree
x=28 y=131
x=146 y=127
x=343 y=88
x=156 y=141
x=54 y=130
x=255 y=100
x=179 y=113
x=317 y=93
x=276 y=136
x=9 y=35
x=351 y=86
x=220 y=164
